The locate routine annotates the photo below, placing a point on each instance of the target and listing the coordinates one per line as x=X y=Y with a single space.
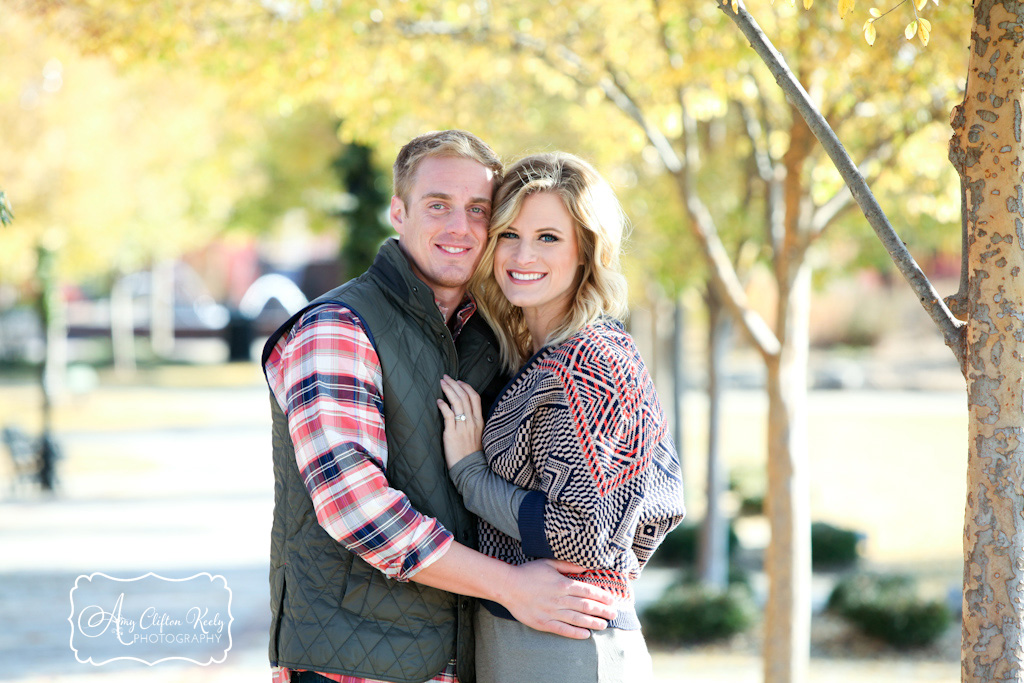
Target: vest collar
x=391 y=267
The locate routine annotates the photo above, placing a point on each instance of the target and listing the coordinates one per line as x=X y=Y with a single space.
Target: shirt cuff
x=531 y=526
x=435 y=555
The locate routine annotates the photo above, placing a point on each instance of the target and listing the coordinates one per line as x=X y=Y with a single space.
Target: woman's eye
x=507 y=235
x=548 y=238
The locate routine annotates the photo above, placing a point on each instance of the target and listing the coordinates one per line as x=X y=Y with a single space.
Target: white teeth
x=454 y=250
x=525 y=276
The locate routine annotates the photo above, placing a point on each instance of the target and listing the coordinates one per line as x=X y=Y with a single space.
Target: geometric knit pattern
x=581 y=424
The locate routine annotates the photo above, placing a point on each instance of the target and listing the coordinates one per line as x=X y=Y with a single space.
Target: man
x=371 y=546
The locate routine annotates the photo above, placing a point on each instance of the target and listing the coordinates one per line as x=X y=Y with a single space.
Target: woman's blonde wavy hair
x=600 y=226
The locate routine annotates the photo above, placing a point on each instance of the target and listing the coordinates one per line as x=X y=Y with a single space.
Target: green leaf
x=6 y=214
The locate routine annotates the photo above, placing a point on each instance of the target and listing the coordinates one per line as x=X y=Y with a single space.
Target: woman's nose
x=524 y=252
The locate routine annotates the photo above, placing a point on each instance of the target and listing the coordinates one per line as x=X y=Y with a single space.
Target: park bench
x=27 y=461
x=23 y=461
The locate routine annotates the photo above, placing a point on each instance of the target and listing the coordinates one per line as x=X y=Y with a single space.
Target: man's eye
x=437 y=207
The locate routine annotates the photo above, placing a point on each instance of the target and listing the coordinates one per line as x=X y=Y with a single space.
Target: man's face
x=443 y=228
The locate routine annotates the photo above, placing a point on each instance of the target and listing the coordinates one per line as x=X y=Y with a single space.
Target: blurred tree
x=51 y=369
x=6 y=213
x=303 y=166
x=110 y=169
x=293 y=150
x=364 y=216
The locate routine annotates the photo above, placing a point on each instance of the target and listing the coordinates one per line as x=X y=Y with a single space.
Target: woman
x=577 y=463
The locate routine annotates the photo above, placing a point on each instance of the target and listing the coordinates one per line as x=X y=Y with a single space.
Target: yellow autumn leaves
x=919 y=27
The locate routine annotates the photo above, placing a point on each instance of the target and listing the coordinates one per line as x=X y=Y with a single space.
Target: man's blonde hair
x=441 y=143
x=600 y=223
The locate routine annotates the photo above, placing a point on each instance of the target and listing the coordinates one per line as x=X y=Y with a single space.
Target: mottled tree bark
x=987 y=150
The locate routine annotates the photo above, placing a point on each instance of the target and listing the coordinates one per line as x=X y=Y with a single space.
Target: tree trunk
x=788 y=557
x=161 y=308
x=988 y=151
x=714 y=538
x=122 y=327
x=679 y=377
x=53 y=370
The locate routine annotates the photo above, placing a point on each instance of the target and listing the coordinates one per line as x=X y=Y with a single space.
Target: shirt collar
x=462 y=314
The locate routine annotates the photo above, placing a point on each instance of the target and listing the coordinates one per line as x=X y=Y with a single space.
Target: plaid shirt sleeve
x=326 y=377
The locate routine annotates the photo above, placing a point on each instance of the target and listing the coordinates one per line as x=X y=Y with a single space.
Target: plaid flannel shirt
x=326 y=376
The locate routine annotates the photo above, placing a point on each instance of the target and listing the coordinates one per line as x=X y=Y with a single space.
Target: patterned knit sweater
x=581 y=427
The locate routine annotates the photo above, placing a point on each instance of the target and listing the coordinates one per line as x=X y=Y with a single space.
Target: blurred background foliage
x=135 y=132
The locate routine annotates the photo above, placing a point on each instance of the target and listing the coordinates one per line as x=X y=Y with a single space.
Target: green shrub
x=748 y=484
x=752 y=505
x=887 y=608
x=832 y=547
x=679 y=548
x=909 y=623
x=695 y=614
x=872 y=588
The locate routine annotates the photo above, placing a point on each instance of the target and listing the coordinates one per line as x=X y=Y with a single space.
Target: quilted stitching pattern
x=335 y=612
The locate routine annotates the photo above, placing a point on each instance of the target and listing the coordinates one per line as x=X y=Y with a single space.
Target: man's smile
x=453 y=250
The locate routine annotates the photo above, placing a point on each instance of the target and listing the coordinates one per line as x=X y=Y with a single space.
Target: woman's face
x=536 y=261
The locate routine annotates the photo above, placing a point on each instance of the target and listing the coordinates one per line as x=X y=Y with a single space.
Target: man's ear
x=397 y=214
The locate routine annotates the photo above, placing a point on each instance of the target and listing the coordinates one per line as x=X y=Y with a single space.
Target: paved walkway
x=177 y=481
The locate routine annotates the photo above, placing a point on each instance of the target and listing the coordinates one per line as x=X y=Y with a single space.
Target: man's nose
x=458 y=223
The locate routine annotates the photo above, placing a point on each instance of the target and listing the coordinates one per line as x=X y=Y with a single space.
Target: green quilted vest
x=331 y=611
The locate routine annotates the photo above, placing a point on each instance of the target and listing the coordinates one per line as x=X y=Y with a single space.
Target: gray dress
x=509 y=652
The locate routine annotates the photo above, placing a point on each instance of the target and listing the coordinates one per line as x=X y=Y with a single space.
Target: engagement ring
x=461 y=418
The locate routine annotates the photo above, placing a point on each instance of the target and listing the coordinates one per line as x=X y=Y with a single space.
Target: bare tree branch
x=952 y=329
x=615 y=91
x=756 y=128
x=724 y=275
x=831 y=209
x=882 y=152
x=758 y=144
x=777 y=205
x=672 y=57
